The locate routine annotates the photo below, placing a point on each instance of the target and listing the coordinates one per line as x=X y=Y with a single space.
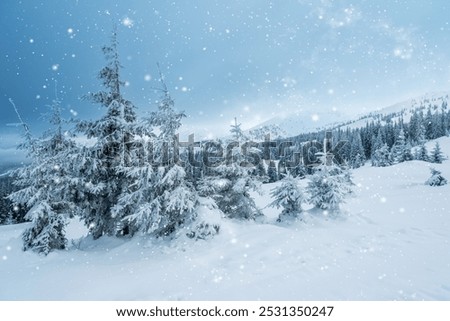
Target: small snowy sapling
x=436 y=178
x=289 y=196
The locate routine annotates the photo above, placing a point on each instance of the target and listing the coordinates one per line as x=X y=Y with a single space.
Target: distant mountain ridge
x=303 y=121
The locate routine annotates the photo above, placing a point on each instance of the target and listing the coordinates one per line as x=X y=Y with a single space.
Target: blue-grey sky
x=246 y=58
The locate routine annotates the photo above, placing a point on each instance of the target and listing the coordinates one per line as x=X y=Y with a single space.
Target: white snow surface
x=392 y=242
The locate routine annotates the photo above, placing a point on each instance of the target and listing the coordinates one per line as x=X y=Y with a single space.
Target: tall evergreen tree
x=399 y=150
x=101 y=165
x=236 y=131
x=272 y=172
x=46 y=187
x=428 y=125
x=160 y=200
x=377 y=142
x=357 y=154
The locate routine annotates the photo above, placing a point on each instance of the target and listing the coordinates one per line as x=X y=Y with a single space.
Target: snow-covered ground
x=392 y=243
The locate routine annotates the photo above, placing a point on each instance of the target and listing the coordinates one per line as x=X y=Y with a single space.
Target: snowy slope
x=304 y=121
x=403 y=110
x=393 y=243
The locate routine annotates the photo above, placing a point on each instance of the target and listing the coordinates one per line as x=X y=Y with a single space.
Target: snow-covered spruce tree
x=230 y=187
x=160 y=203
x=236 y=131
x=272 y=172
x=377 y=142
x=101 y=165
x=408 y=156
x=166 y=120
x=381 y=157
x=422 y=153
x=357 y=155
x=260 y=171
x=328 y=187
x=436 y=154
x=46 y=187
x=436 y=178
x=399 y=150
x=289 y=196
x=160 y=200
x=9 y=213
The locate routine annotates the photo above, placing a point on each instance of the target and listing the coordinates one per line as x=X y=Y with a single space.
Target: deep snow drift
x=392 y=242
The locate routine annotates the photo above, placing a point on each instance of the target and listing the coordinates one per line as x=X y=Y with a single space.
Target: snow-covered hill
x=403 y=110
x=392 y=243
x=304 y=121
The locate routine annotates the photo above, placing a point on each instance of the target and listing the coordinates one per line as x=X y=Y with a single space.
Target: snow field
x=392 y=242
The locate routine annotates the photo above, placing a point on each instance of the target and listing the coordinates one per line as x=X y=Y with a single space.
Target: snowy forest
x=128 y=177
x=225 y=150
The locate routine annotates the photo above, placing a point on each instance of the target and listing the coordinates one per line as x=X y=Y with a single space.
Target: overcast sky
x=251 y=58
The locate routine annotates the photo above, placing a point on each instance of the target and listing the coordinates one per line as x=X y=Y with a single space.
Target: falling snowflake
x=127 y=22
x=315 y=117
x=147 y=77
x=55 y=67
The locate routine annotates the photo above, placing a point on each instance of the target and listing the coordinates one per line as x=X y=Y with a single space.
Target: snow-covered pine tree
x=166 y=120
x=160 y=200
x=381 y=157
x=357 y=154
x=377 y=143
x=272 y=172
x=289 y=196
x=9 y=213
x=422 y=153
x=436 y=154
x=299 y=171
x=159 y=203
x=260 y=171
x=46 y=187
x=328 y=187
x=230 y=187
x=282 y=169
x=101 y=166
x=236 y=131
x=436 y=178
x=428 y=125
x=398 y=151
x=408 y=156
